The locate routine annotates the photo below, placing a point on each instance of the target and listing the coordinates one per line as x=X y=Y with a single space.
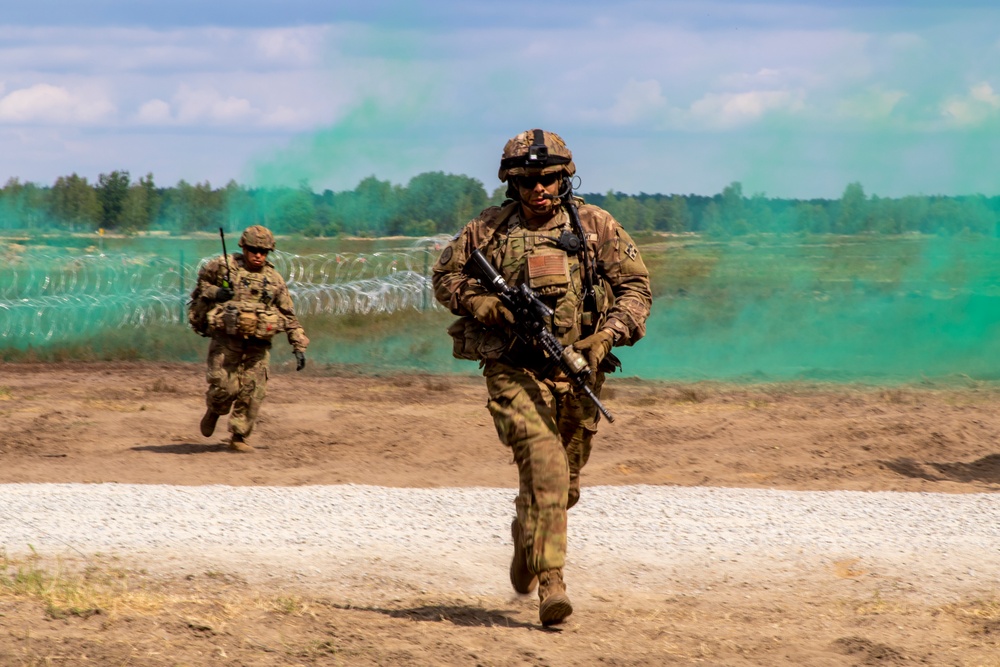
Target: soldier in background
x=241 y=302
x=537 y=412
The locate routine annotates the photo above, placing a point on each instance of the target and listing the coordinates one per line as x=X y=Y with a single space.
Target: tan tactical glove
x=488 y=310
x=595 y=347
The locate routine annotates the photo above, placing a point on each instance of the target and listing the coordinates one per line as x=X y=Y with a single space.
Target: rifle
x=530 y=315
x=228 y=282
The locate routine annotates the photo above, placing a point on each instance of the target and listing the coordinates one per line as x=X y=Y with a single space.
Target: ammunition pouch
x=269 y=323
x=475 y=342
x=246 y=320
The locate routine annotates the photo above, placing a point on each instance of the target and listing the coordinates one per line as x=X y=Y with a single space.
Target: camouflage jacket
x=265 y=288
x=520 y=254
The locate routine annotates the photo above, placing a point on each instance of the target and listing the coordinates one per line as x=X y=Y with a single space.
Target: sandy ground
x=138 y=423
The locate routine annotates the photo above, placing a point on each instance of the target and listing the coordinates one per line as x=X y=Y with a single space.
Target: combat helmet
x=537 y=152
x=257 y=236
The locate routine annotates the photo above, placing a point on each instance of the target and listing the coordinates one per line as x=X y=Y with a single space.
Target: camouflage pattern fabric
x=624 y=295
x=238 y=365
x=519 y=146
x=237 y=381
x=265 y=287
x=548 y=427
x=257 y=236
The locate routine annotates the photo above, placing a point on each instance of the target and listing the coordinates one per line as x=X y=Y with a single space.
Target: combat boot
x=553 y=603
x=521 y=577
x=208 y=422
x=238 y=444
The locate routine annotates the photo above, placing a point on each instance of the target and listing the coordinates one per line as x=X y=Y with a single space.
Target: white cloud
x=282 y=117
x=636 y=101
x=191 y=106
x=983 y=92
x=210 y=76
x=154 y=112
x=873 y=104
x=209 y=106
x=768 y=78
x=112 y=49
x=981 y=103
x=47 y=104
x=301 y=46
x=727 y=110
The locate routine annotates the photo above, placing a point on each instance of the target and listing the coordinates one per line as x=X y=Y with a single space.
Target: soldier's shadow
x=182 y=448
x=985 y=470
x=461 y=615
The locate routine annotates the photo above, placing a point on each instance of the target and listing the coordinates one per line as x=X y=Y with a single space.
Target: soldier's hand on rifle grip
x=300 y=360
x=223 y=294
x=596 y=347
x=490 y=311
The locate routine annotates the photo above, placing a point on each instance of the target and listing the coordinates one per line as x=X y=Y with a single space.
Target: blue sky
x=790 y=98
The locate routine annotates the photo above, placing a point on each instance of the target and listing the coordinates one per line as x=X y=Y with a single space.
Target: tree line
x=438 y=203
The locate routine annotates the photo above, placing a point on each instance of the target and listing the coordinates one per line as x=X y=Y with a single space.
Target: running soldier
x=242 y=302
x=586 y=268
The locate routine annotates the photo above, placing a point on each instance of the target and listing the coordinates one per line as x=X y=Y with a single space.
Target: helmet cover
x=257 y=236
x=535 y=152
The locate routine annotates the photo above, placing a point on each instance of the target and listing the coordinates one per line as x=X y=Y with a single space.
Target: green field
x=840 y=308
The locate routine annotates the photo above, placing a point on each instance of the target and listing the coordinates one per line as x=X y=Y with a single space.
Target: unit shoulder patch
x=445 y=255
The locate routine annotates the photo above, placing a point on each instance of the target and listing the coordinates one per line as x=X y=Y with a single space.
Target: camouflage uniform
x=548 y=425
x=237 y=363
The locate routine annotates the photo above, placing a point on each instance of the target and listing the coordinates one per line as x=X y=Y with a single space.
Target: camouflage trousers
x=237 y=380
x=549 y=429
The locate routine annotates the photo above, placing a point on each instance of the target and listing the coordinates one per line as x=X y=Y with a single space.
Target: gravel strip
x=656 y=539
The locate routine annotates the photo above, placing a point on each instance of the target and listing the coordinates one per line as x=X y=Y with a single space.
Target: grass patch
x=290 y=605
x=63 y=592
x=977 y=611
x=878 y=605
x=689 y=395
x=895 y=396
x=162 y=386
x=103 y=587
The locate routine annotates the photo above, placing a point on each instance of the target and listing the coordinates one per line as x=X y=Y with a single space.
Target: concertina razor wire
x=50 y=296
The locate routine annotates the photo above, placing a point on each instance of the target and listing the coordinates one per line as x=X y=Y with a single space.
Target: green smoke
x=845 y=309
x=758 y=308
x=371 y=137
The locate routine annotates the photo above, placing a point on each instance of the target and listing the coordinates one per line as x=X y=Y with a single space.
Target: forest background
x=439 y=203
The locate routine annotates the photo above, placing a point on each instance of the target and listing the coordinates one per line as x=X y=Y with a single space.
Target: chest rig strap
x=589 y=295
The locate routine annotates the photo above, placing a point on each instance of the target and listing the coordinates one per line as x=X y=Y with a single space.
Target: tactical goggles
x=529 y=182
x=256 y=250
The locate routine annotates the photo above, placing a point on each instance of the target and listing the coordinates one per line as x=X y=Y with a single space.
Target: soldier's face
x=255 y=257
x=538 y=193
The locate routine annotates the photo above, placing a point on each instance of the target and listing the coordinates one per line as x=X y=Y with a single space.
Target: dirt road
x=138 y=423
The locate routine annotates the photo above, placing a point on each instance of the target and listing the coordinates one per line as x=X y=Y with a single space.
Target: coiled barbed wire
x=47 y=296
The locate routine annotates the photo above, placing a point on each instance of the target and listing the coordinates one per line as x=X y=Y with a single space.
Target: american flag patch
x=547 y=265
